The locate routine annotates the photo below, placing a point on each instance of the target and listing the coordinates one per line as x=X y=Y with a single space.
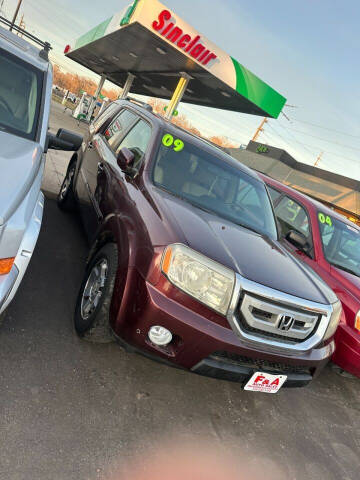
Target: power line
x=326 y=128
x=323 y=139
x=304 y=145
x=296 y=140
x=316 y=148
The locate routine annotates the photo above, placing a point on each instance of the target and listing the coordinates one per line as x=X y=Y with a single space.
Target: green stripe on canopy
x=258 y=92
x=94 y=34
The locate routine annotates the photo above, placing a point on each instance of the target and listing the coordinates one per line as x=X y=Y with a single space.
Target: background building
x=340 y=192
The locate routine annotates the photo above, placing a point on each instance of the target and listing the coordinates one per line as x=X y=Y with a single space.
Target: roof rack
x=44 y=53
x=140 y=103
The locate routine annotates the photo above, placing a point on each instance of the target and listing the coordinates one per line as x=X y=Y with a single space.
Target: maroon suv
x=185 y=263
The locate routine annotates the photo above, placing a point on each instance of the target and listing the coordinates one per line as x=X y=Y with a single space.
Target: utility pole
x=260 y=129
x=318 y=159
x=21 y=25
x=16 y=14
x=2 y=12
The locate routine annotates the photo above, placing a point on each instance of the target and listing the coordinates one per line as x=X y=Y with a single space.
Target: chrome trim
x=273 y=324
x=278 y=345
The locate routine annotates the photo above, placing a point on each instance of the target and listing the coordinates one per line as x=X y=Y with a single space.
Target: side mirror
x=125 y=158
x=64 y=140
x=297 y=239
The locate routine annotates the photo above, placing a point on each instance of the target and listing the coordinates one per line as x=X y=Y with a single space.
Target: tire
x=66 y=198
x=91 y=318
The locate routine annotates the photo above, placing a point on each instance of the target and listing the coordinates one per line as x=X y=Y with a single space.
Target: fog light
x=160 y=335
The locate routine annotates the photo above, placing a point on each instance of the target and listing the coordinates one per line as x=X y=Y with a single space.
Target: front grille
x=260 y=364
x=261 y=313
x=263 y=334
x=265 y=318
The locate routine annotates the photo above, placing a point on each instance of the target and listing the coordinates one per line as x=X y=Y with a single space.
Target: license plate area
x=265 y=382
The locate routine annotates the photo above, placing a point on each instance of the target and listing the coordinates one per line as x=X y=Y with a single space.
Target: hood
x=348 y=280
x=254 y=256
x=20 y=160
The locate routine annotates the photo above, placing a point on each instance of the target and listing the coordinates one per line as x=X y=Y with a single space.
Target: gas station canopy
x=158 y=47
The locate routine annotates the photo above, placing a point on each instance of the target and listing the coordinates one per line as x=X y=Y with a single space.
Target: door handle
x=100 y=167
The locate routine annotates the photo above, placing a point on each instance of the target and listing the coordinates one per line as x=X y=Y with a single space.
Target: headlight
x=334 y=321
x=357 y=321
x=199 y=276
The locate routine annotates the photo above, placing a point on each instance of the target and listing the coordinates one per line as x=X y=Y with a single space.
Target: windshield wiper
x=348 y=270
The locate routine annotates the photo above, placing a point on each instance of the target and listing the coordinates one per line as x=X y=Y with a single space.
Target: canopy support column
x=178 y=95
x=127 y=86
x=94 y=100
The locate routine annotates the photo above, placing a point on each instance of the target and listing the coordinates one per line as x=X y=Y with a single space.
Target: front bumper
x=347 y=353
x=202 y=345
x=236 y=368
x=9 y=283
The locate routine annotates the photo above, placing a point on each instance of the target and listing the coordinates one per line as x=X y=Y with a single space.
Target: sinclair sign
x=175 y=31
x=193 y=45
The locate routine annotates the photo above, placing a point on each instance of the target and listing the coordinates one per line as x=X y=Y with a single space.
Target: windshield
x=341 y=243
x=208 y=182
x=20 y=94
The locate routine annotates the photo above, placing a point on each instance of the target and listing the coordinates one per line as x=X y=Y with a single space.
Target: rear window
x=119 y=127
x=20 y=96
x=101 y=119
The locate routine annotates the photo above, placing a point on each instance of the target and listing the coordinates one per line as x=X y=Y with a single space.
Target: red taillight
x=67 y=49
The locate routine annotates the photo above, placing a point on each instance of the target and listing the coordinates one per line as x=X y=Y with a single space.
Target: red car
x=330 y=244
x=185 y=262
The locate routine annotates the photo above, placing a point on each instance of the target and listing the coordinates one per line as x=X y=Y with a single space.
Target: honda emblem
x=286 y=322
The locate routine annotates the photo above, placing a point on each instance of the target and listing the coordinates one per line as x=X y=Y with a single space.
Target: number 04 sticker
x=169 y=141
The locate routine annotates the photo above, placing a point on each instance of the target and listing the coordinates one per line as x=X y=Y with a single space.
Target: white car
x=25 y=95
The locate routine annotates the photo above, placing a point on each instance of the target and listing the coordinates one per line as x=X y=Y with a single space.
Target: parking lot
x=74 y=410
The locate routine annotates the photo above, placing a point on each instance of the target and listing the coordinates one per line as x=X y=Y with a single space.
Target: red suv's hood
x=254 y=256
x=351 y=282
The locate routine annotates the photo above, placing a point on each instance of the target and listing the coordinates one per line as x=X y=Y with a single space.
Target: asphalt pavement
x=75 y=410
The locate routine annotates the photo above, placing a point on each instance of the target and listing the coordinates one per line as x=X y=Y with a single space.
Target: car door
x=92 y=167
x=117 y=190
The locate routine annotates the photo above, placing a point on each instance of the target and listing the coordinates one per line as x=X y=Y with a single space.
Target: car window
x=20 y=96
x=101 y=119
x=137 y=141
x=208 y=182
x=274 y=194
x=341 y=243
x=118 y=127
x=327 y=233
x=292 y=216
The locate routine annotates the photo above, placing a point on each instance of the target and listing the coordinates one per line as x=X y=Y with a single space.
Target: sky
x=308 y=50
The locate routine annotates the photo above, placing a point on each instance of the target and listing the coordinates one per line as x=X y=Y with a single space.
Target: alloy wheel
x=94 y=289
x=67 y=182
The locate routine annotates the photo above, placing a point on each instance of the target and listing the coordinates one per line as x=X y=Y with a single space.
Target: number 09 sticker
x=176 y=144
x=325 y=219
